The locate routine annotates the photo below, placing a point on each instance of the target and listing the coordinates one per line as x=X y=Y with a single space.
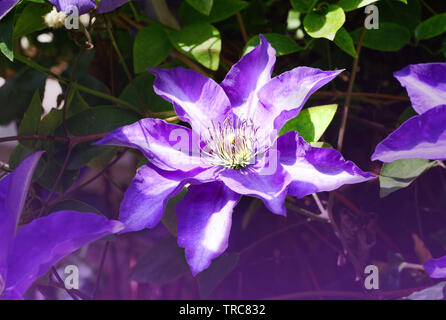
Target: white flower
x=55 y=19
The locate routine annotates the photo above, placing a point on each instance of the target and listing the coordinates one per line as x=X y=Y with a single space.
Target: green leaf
x=92 y=121
x=303 y=6
x=50 y=171
x=100 y=119
x=18 y=91
x=150 y=48
x=220 y=268
x=144 y=84
x=30 y=122
x=18 y=154
x=199 y=41
x=344 y=41
x=203 y=6
x=311 y=123
x=101 y=161
x=75 y=205
x=406 y=15
x=50 y=122
x=83 y=77
x=401 y=173
x=31 y=19
x=431 y=27
x=53 y=119
x=282 y=44
x=408 y=113
x=324 y=25
x=164 y=262
x=75 y=103
x=349 y=5
x=6 y=38
x=389 y=37
x=436 y=292
x=221 y=10
x=169 y=218
x=321 y=144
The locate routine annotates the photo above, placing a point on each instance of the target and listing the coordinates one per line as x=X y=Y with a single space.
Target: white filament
x=233 y=146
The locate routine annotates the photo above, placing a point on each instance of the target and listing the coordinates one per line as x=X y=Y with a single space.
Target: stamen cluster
x=231 y=145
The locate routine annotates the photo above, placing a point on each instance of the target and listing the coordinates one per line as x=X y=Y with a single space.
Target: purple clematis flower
x=28 y=253
x=83 y=6
x=422 y=136
x=232 y=150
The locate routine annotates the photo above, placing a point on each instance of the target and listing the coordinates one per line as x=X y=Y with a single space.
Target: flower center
x=233 y=146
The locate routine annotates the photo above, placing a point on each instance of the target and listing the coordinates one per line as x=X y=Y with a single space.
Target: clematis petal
x=145 y=200
x=13 y=190
x=46 y=240
x=315 y=169
x=425 y=84
x=168 y=146
x=204 y=222
x=84 y=6
x=110 y=5
x=6 y=6
x=436 y=268
x=266 y=180
x=422 y=136
x=11 y=294
x=285 y=95
x=196 y=99
x=247 y=76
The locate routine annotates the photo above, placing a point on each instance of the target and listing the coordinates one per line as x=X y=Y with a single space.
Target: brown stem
x=189 y=62
x=35 y=137
x=353 y=259
x=123 y=64
x=60 y=281
x=242 y=27
x=307 y=213
x=74 y=189
x=340 y=94
x=349 y=91
x=101 y=267
x=56 y=183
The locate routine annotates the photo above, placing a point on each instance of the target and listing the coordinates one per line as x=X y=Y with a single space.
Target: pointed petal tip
x=280 y=212
x=425 y=84
x=436 y=268
x=375 y=157
x=422 y=136
x=196 y=270
x=265 y=43
x=262 y=38
x=154 y=71
x=204 y=223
